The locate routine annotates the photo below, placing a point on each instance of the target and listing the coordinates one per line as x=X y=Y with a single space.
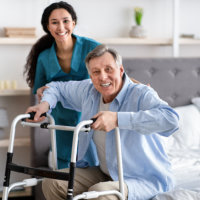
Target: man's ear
x=121 y=70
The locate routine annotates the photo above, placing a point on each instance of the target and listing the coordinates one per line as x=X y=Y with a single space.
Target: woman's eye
x=54 y=22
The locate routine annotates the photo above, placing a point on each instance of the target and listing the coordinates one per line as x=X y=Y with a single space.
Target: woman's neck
x=65 y=46
x=64 y=51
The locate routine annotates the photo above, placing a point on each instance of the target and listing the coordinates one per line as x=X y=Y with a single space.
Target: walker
x=82 y=126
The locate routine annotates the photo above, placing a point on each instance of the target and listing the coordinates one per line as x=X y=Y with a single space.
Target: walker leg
x=7 y=176
x=71 y=181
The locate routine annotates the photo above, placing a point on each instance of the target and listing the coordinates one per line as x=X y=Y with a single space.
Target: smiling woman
x=59 y=56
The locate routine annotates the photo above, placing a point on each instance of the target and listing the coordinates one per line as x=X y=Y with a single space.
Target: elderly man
x=142 y=117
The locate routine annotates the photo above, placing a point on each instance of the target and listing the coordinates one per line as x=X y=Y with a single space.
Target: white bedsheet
x=183 y=149
x=186 y=168
x=178 y=194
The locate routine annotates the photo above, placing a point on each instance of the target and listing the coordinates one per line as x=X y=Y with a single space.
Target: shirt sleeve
x=153 y=116
x=70 y=94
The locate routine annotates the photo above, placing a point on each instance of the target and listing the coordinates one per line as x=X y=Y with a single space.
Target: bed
x=177 y=81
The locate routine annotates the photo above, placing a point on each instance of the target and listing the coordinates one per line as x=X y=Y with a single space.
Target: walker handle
x=94 y=119
x=32 y=115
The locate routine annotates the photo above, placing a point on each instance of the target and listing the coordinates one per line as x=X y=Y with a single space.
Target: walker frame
x=82 y=126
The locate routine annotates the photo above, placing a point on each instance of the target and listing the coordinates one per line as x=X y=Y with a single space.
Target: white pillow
x=188 y=134
x=196 y=101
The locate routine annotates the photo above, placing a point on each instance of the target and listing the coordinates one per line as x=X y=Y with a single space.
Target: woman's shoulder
x=44 y=53
x=87 y=41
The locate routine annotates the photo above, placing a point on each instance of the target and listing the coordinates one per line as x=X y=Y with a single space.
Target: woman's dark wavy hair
x=45 y=41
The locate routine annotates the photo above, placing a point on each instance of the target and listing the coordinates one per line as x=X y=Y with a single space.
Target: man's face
x=106 y=76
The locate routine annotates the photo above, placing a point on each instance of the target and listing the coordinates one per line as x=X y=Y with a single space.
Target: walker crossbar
x=38 y=172
x=57 y=127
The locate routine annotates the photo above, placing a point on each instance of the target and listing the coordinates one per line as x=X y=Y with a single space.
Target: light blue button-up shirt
x=142 y=118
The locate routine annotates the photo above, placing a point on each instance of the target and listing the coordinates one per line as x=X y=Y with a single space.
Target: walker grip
x=94 y=119
x=32 y=115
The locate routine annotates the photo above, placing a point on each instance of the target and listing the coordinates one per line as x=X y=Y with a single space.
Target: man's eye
x=66 y=21
x=95 y=72
x=108 y=69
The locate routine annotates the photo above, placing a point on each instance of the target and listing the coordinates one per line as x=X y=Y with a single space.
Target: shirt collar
x=121 y=95
x=77 y=53
x=75 y=61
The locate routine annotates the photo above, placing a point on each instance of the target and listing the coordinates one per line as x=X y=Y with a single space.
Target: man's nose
x=103 y=75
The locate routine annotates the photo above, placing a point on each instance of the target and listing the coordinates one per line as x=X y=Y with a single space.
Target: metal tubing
x=5 y=193
x=53 y=142
x=10 y=148
x=57 y=127
x=94 y=194
x=12 y=130
x=74 y=156
x=15 y=185
x=77 y=129
x=119 y=160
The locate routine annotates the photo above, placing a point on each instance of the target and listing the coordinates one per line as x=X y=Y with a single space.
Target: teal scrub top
x=48 y=69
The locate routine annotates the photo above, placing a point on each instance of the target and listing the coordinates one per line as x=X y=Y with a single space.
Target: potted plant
x=138 y=15
x=137 y=30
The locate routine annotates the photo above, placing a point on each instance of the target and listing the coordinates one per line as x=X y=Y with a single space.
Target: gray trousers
x=86 y=179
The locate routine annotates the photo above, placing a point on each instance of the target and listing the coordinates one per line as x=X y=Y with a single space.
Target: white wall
x=106 y=18
x=112 y=18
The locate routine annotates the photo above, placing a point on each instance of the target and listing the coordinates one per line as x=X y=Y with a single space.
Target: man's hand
x=38 y=109
x=40 y=92
x=106 y=121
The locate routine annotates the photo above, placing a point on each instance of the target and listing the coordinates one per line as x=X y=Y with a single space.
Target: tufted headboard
x=176 y=80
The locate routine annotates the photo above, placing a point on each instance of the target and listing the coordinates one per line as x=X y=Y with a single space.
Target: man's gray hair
x=99 y=51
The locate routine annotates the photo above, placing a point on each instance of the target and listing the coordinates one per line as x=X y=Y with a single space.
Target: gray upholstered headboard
x=176 y=80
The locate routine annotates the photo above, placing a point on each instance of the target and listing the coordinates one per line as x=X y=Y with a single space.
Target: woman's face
x=60 y=24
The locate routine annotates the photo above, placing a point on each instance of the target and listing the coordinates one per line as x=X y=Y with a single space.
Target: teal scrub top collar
x=75 y=61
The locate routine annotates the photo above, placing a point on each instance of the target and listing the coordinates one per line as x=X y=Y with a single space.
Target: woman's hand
x=106 y=121
x=135 y=81
x=40 y=92
x=38 y=109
